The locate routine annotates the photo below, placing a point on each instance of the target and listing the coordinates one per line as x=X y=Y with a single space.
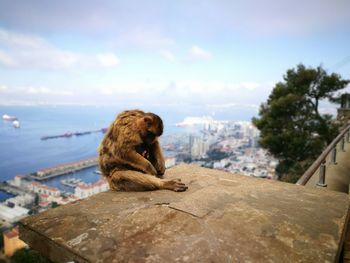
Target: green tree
x=291 y=125
x=26 y=255
x=36 y=199
x=54 y=204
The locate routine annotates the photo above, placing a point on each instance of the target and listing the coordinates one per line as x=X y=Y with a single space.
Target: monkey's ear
x=148 y=120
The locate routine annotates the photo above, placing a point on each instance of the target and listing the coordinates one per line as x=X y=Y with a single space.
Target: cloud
x=146 y=38
x=108 y=59
x=186 y=18
x=25 y=51
x=233 y=105
x=3 y=88
x=167 y=55
x=250 y=85
x=33 y=90
x=198 y=54
x=6 y=59
x=44 y=90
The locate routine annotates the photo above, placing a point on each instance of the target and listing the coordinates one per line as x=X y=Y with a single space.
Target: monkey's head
x=150 y=127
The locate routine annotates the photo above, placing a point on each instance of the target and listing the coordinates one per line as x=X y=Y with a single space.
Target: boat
x=16 y=124
x=82 y=133
x=72 y=182
x=6 y=117
x=97 y=172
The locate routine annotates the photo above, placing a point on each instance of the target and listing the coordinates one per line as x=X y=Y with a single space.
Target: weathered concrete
x=337 y=175
x=221 y=218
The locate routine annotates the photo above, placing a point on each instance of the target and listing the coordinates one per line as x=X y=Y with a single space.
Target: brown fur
x=131 y=143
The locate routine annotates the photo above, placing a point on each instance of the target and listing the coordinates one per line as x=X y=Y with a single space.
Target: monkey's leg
x=157 y=158
x=137 y=181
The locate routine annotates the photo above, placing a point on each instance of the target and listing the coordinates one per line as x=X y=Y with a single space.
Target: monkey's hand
x=174 y=185
x=138 y=162
x=157 y=159
x=160 y=167
x=149 y=169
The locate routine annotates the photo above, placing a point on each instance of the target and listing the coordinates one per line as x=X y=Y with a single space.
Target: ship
x=72 y=182
x=15 y=124
x=6 y=117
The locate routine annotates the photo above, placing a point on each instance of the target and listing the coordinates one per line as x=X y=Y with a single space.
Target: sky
x=216 y=55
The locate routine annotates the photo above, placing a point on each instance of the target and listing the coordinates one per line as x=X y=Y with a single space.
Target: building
x=198 y=147
x=85 y=190
x=12 y=214
x=17 y=181
x=21 y=200
x=170 y=161
x=46 y=200
x=12 y=243
x=42 y=189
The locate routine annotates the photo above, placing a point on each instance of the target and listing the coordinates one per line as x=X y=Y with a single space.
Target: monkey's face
x=151 y=127
x=150 y=138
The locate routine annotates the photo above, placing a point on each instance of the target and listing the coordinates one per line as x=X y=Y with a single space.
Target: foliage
x=291 y=126
x=26 y=255
x=54 y=204
x=36 y=199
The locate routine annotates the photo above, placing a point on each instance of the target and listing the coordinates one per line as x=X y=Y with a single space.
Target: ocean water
x=22 y=151
x=5 y=195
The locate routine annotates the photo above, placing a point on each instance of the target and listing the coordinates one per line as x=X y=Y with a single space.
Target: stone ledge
x=222 y=217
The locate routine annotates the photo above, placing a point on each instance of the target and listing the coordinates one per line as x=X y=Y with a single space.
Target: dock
x=70 y=134
x=64 y=169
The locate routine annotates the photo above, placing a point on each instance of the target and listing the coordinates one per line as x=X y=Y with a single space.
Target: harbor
x=70 y=134
x=62 y=169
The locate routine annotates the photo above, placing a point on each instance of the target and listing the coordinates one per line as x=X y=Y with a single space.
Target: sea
x=22 y=151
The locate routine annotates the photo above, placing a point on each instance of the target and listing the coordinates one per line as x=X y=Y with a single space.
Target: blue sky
x=214 y=54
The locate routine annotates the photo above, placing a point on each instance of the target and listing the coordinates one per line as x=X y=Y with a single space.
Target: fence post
x=342 y=144
x=322 y=175
x=334 y=156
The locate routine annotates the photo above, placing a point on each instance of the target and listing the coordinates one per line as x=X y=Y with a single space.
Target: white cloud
x=233 y=105
x=250 y=85
x=21 y=40
x=197 y=53
x=167 y=55
x=6 y=59
x=33 y=90
x=108 y=59
x=3 y=88
x=146 y=38
x=32 y=52
x=47 y=91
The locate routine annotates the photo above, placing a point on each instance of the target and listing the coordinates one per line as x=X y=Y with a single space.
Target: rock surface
x=222 y=217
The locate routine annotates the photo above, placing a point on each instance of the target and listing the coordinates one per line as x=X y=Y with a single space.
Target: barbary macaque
x=130 y=156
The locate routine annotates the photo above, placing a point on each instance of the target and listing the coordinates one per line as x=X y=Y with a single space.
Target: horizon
x=212 y=56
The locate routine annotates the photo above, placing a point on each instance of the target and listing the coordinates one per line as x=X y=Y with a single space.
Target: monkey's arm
x=137 y=181
x=138 y=162
x=157 y=158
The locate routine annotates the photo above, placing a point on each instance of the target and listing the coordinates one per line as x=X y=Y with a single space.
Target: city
x=225 y=145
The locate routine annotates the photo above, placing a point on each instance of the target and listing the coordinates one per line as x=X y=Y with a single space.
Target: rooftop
x=11 y=233
x=221 y=217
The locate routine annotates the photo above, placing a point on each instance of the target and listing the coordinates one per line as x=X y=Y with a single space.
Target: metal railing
x=320 y=163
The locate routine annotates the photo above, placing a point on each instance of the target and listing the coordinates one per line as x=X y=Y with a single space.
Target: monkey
x=130 y=156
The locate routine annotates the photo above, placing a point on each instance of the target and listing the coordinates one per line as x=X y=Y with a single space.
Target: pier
x=70 y=134
x=64 y=169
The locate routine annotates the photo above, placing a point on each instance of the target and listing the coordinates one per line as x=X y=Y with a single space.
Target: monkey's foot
x=175 y=185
